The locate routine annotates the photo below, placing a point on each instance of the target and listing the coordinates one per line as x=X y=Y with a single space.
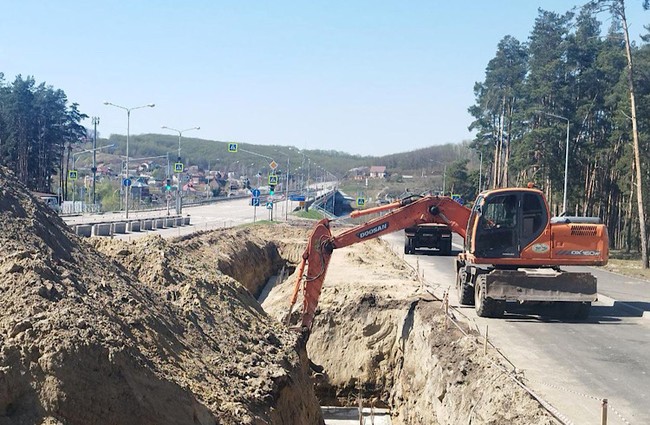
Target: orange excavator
x=512 y=251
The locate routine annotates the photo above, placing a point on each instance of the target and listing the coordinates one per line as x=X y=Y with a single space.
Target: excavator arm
x=405 y=213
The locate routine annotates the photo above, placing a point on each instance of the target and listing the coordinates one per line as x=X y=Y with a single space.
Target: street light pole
x=128 y=130
x=480 y=174
x=180 y=135
x=95 y=121
x=566 y=159
x=74 y=167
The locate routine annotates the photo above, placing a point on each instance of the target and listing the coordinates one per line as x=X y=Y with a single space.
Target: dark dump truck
x=430 y=235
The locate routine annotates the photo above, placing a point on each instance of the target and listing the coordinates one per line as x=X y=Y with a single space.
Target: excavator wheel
x=486 y=307
x=464 y=289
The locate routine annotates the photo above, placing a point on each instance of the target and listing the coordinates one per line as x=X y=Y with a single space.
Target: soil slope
x=140 y=334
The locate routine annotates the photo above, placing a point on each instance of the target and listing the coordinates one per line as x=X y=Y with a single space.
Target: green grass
x=312 y=214
x=628 y=264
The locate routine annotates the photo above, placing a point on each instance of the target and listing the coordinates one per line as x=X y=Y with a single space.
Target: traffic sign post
x=269 y=206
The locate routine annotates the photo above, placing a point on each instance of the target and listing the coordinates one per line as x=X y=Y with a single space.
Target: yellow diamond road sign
x=273 y=165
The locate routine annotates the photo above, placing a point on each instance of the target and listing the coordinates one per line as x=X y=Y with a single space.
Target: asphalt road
x=225 y=213
x=572 y=365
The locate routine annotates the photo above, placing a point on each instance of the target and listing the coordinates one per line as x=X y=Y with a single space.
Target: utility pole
x=95 y=122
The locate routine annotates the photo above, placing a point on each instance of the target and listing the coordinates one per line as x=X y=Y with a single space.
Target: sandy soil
x=144 y=333
x=169 y=332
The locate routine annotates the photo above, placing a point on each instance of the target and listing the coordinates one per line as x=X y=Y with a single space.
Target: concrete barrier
x=179 y=221
x=84 y=230
x=133 y=226
x=119 y=227
x=158 y=223
x=102 y=229
x=186 y=220
x=170 y=222
x=146 y=225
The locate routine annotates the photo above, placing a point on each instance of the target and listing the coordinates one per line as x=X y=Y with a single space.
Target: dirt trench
x=163 y=331
x=378 y=332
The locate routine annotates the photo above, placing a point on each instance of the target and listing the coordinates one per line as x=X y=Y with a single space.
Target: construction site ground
x=185 y=330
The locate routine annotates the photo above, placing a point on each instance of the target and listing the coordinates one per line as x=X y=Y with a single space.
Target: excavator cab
x=502 y=223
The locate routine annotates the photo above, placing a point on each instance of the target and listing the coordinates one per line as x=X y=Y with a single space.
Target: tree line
x=37 y=126
x=572 y=83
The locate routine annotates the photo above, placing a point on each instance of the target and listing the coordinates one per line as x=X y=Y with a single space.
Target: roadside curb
x=611 y=302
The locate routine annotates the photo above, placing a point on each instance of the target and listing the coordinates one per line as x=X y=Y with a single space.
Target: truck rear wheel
x=484 y=306
x=408 y=246
x=446 y=248
x=463 y=288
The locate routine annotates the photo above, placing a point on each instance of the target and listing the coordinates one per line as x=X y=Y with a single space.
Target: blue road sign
x=72 y=174
x=178 y=167
x=232 y=147
x=255 y=201
x=269 y=205
x=256 y=193
x=273 y=179
x=361 y=202
x=126 y=182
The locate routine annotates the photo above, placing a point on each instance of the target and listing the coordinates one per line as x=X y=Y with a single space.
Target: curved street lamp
x=180 y=135
x=128 y=125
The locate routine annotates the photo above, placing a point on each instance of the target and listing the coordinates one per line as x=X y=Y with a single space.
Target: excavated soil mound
x=144 y=333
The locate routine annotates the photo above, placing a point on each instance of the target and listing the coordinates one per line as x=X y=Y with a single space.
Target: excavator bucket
x=315 y=259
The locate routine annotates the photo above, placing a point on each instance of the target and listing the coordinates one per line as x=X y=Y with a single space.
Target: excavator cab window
x=533 y=218
x=498 y=229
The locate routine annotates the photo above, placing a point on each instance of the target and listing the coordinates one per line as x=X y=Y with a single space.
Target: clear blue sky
x=363 y=77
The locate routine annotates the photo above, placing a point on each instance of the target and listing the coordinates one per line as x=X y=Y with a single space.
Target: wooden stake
x=360 y=403
x=446 y=309
x=603 y=420
x=485 y=341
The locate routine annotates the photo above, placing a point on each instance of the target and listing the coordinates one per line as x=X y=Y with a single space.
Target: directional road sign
x=256 y=193
x=255 y=201
x=126 y=182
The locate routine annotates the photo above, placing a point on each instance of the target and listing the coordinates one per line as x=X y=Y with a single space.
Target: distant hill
x=251 y=158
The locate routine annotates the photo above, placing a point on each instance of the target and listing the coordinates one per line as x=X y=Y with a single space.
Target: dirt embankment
x=143 y=333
